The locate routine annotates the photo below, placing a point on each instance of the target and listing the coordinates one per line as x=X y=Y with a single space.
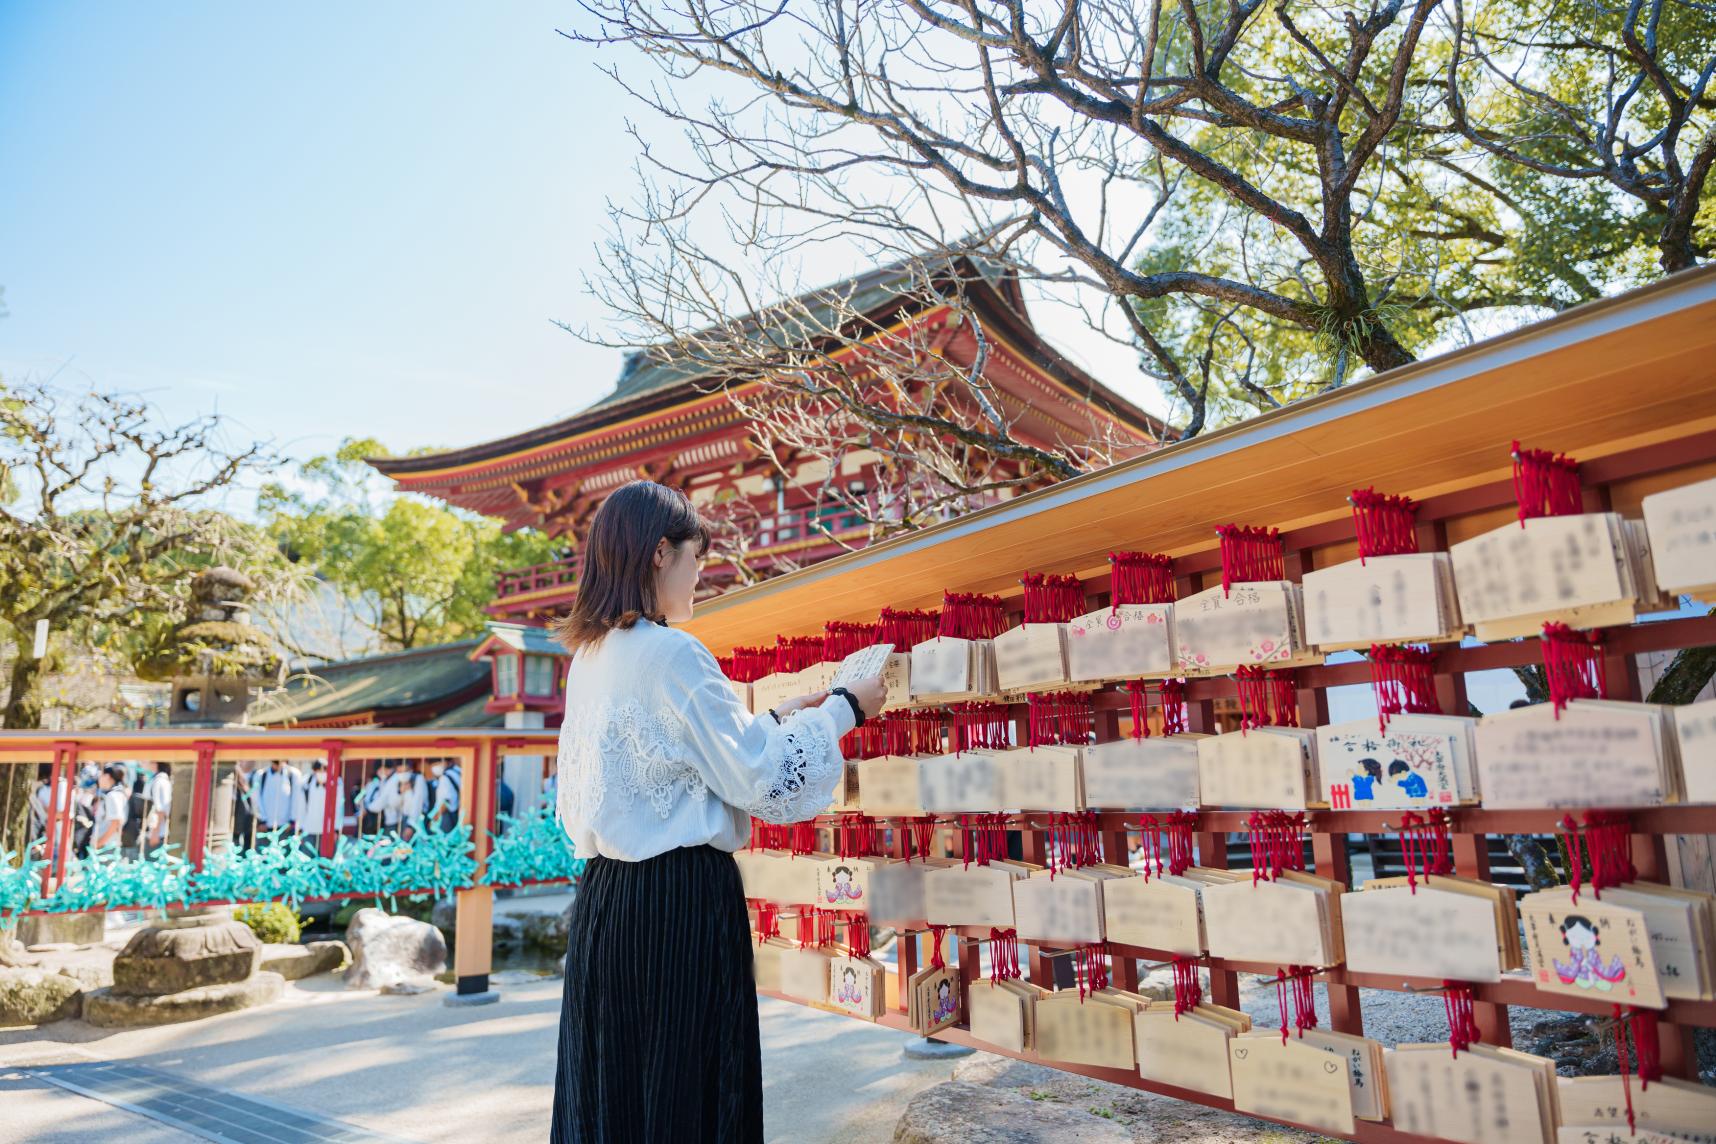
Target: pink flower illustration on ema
x=1113 y=623
x=1268 y=646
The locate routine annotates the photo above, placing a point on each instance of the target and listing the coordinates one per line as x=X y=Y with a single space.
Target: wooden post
x=1471 y=856
x=473 y=937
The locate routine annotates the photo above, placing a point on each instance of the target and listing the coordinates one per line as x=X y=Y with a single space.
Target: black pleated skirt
x=658 y=1028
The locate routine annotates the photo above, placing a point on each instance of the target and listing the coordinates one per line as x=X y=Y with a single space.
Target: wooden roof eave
x=1616 y=374
x=430 y=472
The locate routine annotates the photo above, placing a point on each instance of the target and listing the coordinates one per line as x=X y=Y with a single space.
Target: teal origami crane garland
x=530 y=848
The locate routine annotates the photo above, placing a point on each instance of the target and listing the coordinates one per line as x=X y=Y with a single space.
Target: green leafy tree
x=105 y=517
x=415 y=573
x=1271 y=199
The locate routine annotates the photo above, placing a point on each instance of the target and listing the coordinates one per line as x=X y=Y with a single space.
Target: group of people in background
x=127 y=806
x=397 y=798
x=113 y=805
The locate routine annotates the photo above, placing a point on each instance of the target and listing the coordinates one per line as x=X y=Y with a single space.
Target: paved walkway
x=411 y=1068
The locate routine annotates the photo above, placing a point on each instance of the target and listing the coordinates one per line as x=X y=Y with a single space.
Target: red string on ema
x=840 y=638
x=1545 y=484
x=1174 y=713
x=1137 y=700
x=1003 y=955
x=1424 y=846
x=1140 y=578
x=751 y=663
x=856 y=836
x=937 y=933
x=1403 y=678
x=857 y=934
x=1188 y=986
x=1607 y=851
x=1150 y=844
x=1090 y=967
x=906 y=628
x=1459 y=1000
x=982 y=838
x=1178 y=831
x=1060 y=718
x=920 y=835
x=1622 y=1067
x=1250 y=554
x=1572 y=665
x=1385 y=524
x=1051 y=598
x=768 y=921
x=795 y=653
x=980 y=726
x=972 y=616
x=1268 y=697
x=1647 y=1046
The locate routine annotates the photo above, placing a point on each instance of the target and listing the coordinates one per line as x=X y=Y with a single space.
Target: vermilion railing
x=478 y=752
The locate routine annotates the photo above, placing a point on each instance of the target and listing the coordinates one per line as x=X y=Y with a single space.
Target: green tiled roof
x=466 y=715
x=814 y=315
x=374 y=683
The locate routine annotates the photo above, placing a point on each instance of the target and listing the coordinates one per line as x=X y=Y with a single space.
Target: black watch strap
x=857 y=708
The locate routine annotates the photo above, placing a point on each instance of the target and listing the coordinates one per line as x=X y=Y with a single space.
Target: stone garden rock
x=547 y=930
x=958 y=1111
x=33 y=996
x=407 y=988
x=108 y=1009
x=386 y=949
x=295 y=962
x=78 y=929
x=188 y=954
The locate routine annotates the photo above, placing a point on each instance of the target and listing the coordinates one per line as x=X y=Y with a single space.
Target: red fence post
x=202 y=800
x=58 y=837
x=334 y=794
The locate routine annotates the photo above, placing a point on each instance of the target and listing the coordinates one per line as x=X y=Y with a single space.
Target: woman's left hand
x=791 y=705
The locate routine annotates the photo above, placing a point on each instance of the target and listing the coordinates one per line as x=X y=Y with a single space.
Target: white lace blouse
x=657 y=752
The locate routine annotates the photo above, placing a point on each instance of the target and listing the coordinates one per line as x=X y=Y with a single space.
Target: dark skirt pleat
x=658 y=1029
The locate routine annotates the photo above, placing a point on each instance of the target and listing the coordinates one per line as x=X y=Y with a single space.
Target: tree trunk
x=1380 y=349
x=23 y=710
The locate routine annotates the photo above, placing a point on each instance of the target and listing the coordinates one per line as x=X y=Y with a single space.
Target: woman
x=660 y=770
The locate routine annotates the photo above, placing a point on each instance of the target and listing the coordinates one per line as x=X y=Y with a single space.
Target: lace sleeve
x=802 y=764
x=780 y=773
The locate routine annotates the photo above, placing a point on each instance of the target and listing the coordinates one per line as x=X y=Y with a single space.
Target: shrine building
x=667 y=422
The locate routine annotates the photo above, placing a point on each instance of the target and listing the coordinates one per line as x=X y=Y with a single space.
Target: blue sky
x=324 y=220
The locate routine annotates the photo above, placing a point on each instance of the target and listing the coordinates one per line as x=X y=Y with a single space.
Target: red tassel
x=1647 y=1046
x=920 y=836
x=841 y=638
x=1621 y=1061
x=858 y=935
x=1137 y=700
x=1140 y=578
x=1463 y=1032
x=1188 y=989
x=768 y=921
x=1404 y=680
x=1384 y=524
x=905 y=628
x=972 y=616
x=1052 y=599
x=936 y=960
x=1572 y=665
x=1267 y=697
x=1180 y=825
x=1249 y=555
x=1174 y=719
x=1003 y=955
x=1545 y=484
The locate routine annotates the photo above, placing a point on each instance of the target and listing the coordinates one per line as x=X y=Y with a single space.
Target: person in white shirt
x=371 y=801
x=310 y=808
x=410 y=800
x=274 y=795
x=43 y=804
x=158 y=793
x=112 y=807
x=448 y=781
x=660 y=772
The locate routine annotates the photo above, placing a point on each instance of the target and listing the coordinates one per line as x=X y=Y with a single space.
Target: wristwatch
x=857 y=708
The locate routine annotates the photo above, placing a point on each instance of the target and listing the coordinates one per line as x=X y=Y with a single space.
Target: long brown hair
x=616 y=585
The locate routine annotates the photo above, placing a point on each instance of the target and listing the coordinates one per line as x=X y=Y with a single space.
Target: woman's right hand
x=871 y=694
